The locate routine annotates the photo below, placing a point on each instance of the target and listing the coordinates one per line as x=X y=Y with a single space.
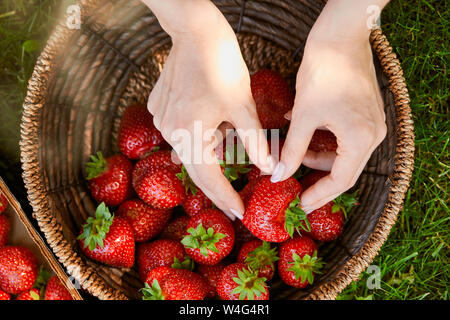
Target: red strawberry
x=4 y=296
x=31 y=294
x=161 y=253
x=55 y=290
x=196 y=202
x=176 y=229
x=247 y=191
x=259 y=256
x=18 y=269
x=323 y=141
x=237 y=282
x=209 y=237
x=298 y=262
x=109 y=179
x=211 y=274
x=273 y=212
x=273 y=98
x=241 y=236
x=156 y=160
x=3 y=202
x=108 y=239
x=312 y=177
x=156 y=182
x=327 y=222
x=146 y=221
x=137 y=134
x=175 y=284
x=5 y=227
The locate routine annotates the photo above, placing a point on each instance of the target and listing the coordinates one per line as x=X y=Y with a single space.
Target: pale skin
x=205 y=79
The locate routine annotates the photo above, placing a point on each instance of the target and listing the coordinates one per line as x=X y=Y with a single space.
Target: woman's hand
x=337 y=90
x=204 y=84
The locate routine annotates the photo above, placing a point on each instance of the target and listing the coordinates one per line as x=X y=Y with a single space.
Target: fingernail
x=229 y=215
x=237 y=214
x=307 y=210
x=278 y=172
x=288 y=116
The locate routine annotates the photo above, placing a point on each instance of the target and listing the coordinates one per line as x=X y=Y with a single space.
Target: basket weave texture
x=84 y=80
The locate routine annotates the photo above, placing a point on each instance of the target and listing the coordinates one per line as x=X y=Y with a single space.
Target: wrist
x=347 y=20
x=186 y=18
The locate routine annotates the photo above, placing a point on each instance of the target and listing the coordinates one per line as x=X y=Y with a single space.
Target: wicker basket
x=24 y=234
x=85 y=78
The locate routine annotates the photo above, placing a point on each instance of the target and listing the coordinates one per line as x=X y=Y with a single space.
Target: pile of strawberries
x=20 y=275
x=183 y=246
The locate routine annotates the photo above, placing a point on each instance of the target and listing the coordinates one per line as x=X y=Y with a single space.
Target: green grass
x=414 y=261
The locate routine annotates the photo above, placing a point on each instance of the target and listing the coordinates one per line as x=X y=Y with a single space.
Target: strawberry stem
x=261 y=256
x=249 y=284
x=345 y=202
x=95 y=229
x=187 y=263
x=306 y=267
x=187 y=182
x=96 y=167
x=296 y=218
x=202 y=239
x=152 y=293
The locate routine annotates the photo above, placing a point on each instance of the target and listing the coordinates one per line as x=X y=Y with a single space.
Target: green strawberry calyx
x=96 y=229
x=345 y=202
x=187 y=182
x=41 y=281
x=306 y=267
x=249 y=284
x=187 y=263
x=200 y=238
x=152 y=293
x=232 y=168
x=296 y=218
x=262 y=256
x=96 y=167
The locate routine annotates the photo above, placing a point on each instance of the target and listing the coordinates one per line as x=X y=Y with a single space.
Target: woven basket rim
x=93 y=283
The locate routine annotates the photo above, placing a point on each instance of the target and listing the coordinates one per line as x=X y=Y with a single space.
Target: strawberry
x=209 y=237
x=241 y=236
x=176 y=229
x=156 y=182
x=327 y=222
x=247 y=191
x=175 y=284
x=237 y=282
x=211 y=274
x=55 y=290
x=31 y=294
x=273 y=212
x=312 y=177
x=273 y=98
x=196 y=202
x=108 y=239
x=298 y=262
x=5 y=227
x=147 y=222
x=4 y=296
x=234 y=160
x=3 y=202
x=259 y=256
x=109 y=179
x=161 y=253
x=137 y=134
x=18 y=269
x=323 y=141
